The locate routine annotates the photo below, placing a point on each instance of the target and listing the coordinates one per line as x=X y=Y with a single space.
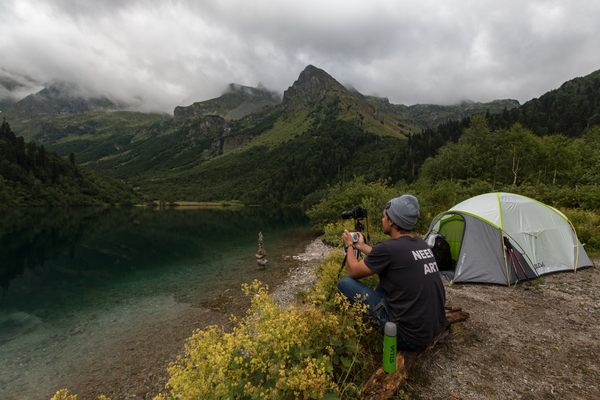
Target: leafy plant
x=273 y=353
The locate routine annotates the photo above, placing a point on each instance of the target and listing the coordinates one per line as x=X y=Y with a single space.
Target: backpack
x=441 y=252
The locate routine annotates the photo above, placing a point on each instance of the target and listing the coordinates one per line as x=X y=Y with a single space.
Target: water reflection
x=49 y=256
x=77 y=282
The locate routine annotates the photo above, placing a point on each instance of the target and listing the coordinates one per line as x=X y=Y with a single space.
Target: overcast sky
x=161 y=54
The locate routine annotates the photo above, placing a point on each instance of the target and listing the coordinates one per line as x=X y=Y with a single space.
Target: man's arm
x=356 y=269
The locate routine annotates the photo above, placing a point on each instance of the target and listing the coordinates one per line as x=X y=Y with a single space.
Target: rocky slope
x=235 y=103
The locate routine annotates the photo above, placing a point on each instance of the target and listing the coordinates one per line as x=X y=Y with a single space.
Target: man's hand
x=356 y=269
x=347 y=237
x=359 y=245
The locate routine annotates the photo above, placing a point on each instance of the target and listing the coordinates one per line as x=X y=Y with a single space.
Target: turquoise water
x=69 y=271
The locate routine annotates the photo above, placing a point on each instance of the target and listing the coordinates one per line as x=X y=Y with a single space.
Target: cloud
x=175 y=53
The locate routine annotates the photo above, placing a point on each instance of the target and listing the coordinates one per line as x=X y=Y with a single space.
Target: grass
x=538 y=284
x=282 y=131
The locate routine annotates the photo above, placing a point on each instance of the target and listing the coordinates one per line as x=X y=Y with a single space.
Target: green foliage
x=274 y=353
x=517 y=158
x=331 y=151
x=31 y=176
x=581 y=204
x=570 y=110
x=433 y=199
x=343 y=197
x=587 y=226
x=330 y=271
x=63 y=394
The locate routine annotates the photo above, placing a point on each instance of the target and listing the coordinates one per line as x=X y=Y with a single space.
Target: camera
x=357 y=213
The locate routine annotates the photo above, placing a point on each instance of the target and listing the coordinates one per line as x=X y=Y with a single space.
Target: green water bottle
x=389 y=347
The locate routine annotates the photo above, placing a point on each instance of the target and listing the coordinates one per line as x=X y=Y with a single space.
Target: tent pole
x=504 y=252
x=576 y=245
x=502 y=237
x=524 y=253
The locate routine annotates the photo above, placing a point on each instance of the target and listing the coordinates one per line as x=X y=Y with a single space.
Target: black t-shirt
x=413 y=288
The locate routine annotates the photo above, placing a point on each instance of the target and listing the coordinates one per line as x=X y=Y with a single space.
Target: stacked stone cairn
x=260 y=256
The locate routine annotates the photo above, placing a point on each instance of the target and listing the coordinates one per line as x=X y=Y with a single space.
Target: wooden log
x=382 y=385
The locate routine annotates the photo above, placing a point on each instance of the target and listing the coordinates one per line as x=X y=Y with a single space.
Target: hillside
x=251 y=143
x=31 y=176
x=569 y=110
x=431 y=115
x=60 y=98
x=319 y=135
x=237 y=102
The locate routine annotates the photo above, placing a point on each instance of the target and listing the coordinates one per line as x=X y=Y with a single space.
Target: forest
x=31 y=176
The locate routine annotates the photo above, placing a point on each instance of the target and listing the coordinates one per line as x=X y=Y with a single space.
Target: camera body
x=357 y=213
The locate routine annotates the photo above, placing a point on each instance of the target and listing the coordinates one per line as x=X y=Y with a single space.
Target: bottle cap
x=390 y=329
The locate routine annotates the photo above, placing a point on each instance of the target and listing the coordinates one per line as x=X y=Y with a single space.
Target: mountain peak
x=236 y=102
x=313 y=86
x=247 y=92
x=62 y=97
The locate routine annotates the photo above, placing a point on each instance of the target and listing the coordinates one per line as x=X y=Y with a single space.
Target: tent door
x=518 y=267
x=453 y=228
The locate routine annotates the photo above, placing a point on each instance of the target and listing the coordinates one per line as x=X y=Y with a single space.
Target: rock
x=142 y=392
x=261 y=263
x=303 y=277
x=260 y=257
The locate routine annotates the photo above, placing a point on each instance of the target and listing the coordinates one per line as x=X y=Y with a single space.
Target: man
x=410 y=291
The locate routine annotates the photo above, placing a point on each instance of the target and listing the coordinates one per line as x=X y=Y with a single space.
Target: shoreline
x=135 y=365
x=303 y=277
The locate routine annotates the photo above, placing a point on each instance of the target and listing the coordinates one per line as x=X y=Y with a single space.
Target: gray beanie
x=403 y=211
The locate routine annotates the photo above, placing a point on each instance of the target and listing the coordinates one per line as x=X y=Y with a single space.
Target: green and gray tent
x=503 y=238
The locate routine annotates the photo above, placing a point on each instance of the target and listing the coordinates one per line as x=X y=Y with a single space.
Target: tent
x=503 y=238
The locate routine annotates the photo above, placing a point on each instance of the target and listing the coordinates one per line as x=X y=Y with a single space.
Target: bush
x=587 y=226
x=343 y=197
x=63 y=394
x=274 y=353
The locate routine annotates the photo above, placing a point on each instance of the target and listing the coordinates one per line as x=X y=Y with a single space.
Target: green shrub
x=274 y=353
x=343 y=197
x=63 y=394
x=587 y=226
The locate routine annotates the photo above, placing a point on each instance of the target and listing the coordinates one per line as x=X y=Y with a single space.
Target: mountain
x=320 y=130
x=250 y=143
x=431 y=115
x=7 y=87
x=60 y=98
x=571 y=109
x=237 y=102
x=14 y=87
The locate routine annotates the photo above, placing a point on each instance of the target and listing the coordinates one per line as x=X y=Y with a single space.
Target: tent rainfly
x=503 y=238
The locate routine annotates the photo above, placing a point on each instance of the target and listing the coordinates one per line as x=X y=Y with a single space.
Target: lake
x=76 y=281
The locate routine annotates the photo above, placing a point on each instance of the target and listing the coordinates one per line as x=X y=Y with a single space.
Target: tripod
x=358 y=227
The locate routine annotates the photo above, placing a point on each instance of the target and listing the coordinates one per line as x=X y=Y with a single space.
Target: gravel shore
x=303 y=277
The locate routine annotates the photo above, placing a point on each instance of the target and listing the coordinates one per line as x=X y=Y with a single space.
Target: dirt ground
x=538 y=340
